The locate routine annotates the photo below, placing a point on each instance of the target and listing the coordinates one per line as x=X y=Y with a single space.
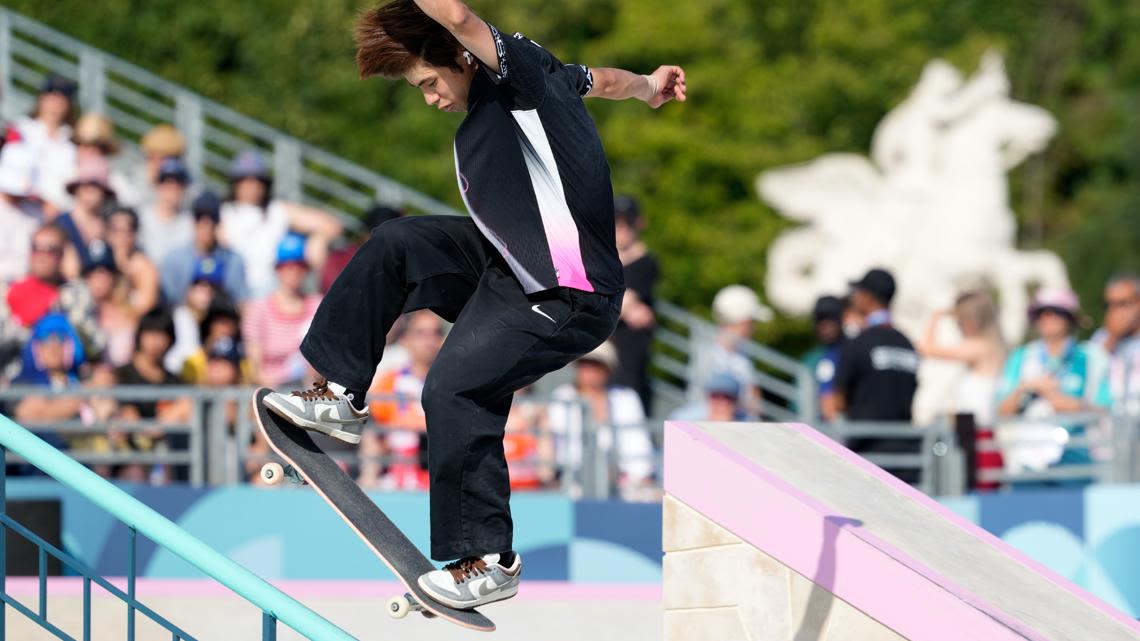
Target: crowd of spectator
x=1028 y=399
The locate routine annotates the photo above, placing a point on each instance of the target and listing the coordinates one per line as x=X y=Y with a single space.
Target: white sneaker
x=321 y=410
x=473 y=581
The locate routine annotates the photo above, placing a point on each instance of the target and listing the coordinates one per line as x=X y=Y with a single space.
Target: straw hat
x=163 y=141
x=96 y=130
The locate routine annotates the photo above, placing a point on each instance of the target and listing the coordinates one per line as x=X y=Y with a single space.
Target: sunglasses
x=1118 y=303
x=54 y=250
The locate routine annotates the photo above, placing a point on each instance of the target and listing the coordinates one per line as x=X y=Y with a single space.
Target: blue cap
x=173 y=169
x=208 y=269
x=291 y=249
x=249 y=164
x=723 y=383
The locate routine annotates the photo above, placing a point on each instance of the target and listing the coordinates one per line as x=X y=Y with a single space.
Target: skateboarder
x=531 y=280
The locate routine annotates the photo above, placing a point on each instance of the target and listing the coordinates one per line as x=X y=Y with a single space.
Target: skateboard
x=308 y=464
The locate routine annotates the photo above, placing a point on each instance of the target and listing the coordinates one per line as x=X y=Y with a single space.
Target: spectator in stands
x=204 y=292
x=823 y=359
x=400 y=411
x=154 y=338
x=736 y=310
x=138 y=269
x=634 y=334
x=223 y=364
x=45 y=289
x=1048 y=376
x=877 y=374
x=980 y=349
x=221 y=325
x=84 y=224
x=45 y=136
x=202 y=255
x=51 y=359
x=254 y=223
x=19 y=215
x=340 y=255
x=109 y=293
x=1115 y=347
x=274 y=325
x=161 y=142
x=616 y=411
x=95 y=139
x=721 y=402
x=165 y=224
x=527 y=443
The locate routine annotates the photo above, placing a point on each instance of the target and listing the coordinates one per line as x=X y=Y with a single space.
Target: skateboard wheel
x=272 y=473
x=399 y=607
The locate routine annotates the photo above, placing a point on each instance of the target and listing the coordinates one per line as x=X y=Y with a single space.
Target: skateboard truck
x=400 y=606
x=274 y=473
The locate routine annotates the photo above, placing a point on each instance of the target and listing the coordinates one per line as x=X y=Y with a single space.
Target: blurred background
x=911 y=225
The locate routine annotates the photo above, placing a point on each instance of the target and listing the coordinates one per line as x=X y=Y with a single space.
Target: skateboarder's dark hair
x=392 y=37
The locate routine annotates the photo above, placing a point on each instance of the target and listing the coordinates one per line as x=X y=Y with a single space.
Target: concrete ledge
x=802 y=539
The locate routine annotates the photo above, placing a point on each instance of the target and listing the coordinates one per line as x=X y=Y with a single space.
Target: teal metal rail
x=274 y=604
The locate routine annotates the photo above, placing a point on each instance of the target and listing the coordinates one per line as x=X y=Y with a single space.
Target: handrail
x=165 y=533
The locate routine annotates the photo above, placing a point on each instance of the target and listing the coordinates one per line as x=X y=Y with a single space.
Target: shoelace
x=467 y=568
x=320 y=390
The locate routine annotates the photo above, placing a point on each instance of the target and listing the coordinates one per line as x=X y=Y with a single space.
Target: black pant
x=502 y=341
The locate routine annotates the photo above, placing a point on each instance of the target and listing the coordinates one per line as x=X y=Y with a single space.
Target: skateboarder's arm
x=656 y=89
x=468 y=28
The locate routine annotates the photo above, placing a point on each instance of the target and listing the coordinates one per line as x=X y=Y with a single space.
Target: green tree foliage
x=771 y=83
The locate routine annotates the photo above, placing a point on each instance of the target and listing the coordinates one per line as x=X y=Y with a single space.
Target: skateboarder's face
x=443 y=87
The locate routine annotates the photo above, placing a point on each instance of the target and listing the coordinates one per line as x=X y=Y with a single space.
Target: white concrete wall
x=719 y=588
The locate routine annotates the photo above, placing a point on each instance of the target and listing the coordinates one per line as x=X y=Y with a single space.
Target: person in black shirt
x=634 y=334
x=877 y=374
x=531 y=280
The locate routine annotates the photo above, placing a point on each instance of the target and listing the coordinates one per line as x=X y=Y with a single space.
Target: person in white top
x=981 y=349
x=254 y=223
x=46 y=135
x=19 y=217
x=736 y=310
x=616 y=411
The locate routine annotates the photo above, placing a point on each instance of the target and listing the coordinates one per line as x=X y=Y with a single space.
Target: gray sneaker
x=473 y=581
x=321 y=410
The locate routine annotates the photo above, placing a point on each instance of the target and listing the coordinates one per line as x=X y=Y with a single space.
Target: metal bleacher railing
x=136 y=100
x=275 y=605
x=216 y=446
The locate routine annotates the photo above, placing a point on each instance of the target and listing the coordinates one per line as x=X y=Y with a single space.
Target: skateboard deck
x=345 y=497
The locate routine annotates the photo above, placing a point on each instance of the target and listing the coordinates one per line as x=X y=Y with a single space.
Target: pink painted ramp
x=786 y=498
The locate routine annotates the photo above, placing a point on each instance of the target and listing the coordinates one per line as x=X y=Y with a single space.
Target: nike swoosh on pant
x=538 y=311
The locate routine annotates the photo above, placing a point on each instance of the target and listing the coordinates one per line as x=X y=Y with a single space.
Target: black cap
x=56 y=83
x=627 y=209
x=99 y=256
x=207 y=205
x=827 y=308
x=226 y=348
x=878 y=283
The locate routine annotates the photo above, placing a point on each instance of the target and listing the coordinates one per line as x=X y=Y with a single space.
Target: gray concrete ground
x=226 y=619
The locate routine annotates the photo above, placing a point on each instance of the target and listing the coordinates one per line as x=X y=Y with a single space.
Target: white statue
x=931 y=205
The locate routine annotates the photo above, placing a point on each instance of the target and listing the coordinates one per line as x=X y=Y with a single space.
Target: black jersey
x=533 y=172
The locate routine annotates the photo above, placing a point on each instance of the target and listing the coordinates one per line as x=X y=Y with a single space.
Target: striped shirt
x=278 y=334
x=533 y=173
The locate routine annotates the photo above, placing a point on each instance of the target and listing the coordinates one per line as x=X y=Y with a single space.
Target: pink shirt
x=279 y=335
